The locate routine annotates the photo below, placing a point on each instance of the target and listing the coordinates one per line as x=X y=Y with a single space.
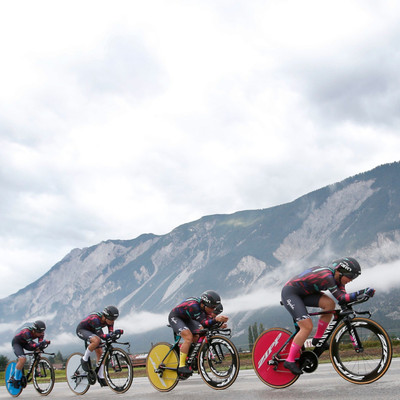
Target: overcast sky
x=129 y=117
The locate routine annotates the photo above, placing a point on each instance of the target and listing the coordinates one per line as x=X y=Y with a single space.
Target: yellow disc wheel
x=161 y=367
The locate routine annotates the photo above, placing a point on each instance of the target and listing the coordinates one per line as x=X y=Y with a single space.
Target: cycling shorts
x=178 y=324
x=296 y=304
x=85 y=335
x=19 y=349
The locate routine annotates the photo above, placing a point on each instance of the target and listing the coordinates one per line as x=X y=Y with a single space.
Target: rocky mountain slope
x=246 y=256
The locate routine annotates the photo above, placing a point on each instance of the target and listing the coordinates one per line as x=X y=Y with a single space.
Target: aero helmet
x=39 y=326
x=210 y=299
x=111 y=313
x=347 y=266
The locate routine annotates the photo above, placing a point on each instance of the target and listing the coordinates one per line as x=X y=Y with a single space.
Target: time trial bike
x=40 y=373
x=360 y=349
x=214 y=357
x=118 y=369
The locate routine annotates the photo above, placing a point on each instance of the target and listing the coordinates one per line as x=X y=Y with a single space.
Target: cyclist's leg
x=297 y=309
x=184 y=329
x=92 y=342
x=326 y=304
x=100 y=373
x=21 y=359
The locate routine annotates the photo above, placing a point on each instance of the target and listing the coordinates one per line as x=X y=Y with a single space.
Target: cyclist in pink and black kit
x=91 y=331
x=189 y=317
x=25 y=339
x=304 y=290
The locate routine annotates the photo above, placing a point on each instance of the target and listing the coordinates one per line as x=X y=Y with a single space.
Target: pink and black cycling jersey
x=317 y=279
x=190 y=310
x=24 y=338
x=93 y=324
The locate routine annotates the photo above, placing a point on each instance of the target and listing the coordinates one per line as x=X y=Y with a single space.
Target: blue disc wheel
x=15 y=392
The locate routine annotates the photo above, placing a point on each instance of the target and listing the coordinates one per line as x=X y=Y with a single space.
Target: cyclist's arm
x=30 y=343
x=210 y=322
x=98 y=329
x=110 y=328
x=342 y=297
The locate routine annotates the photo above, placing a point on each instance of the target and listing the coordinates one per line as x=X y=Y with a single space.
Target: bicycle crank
x=91 y=377
x=308 y=361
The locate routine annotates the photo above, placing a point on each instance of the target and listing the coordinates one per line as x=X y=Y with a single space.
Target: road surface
x=322 y=384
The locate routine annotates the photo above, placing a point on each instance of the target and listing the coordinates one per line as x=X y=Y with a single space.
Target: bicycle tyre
x=43 y=376
x=118 y=370
x=7 y=376
x=366 y=366
x=269 y=342
x=162 y=379
x=77 y=378
x=218 y=362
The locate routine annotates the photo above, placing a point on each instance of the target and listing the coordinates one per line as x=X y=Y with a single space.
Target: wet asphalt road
x=324 y=383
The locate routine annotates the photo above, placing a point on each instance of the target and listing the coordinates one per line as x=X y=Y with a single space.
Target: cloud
x=63 y=339
x=141 y=322
x=116 y=121
x=382 y=277
x=253 y=301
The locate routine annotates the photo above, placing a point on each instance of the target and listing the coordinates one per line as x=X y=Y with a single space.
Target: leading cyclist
x=91 y=331
x=25 y=339
x=304 y=290
x=189 y=317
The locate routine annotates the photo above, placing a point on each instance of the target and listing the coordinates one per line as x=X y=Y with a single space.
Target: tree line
x=57 y=359
x=254 y=331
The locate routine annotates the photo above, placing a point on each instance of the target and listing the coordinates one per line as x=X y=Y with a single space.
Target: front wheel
x=77 y=378
x=268 y=363
x=43 y=376
x=118 y=370
x=218 y=362
x=370 y=362
x=162 y=367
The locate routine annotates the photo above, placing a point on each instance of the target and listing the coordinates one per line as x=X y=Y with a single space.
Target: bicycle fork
x=355 y=339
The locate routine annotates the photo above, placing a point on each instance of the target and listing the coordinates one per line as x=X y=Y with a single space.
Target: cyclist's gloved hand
x=119 y=331
x=369 y=292
x=365 y=293
x=44 y=344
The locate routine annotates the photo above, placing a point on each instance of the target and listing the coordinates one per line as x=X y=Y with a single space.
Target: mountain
x=245 y=256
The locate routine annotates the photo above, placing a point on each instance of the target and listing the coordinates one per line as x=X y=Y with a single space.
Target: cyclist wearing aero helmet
x=304 y=290
x=24 y=339
x=192 y=315
x=90 y=330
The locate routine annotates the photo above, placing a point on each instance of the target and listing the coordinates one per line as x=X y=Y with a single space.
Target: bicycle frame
x=344 y=314
x=35 y=359
x=107 y=347
x=204 y=336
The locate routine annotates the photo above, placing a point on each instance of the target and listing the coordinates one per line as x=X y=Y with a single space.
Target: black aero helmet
x=210 y=298
x=111 y=313
x=348 y=267
x=39 y=326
